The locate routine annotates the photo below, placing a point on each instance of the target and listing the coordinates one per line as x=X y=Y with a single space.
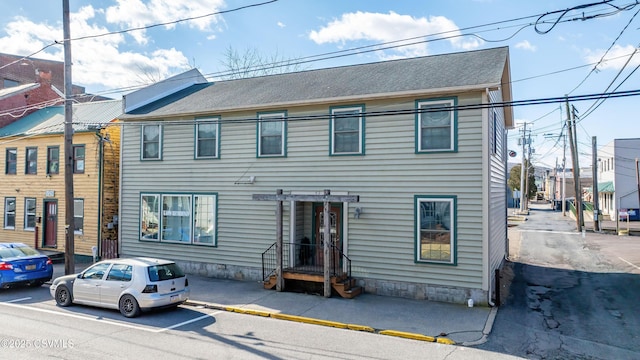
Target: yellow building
x=32 y=185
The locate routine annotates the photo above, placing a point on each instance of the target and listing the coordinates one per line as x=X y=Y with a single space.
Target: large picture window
x=10 y=213
x=436 y=125
x=176 y=218
x=172 y=218
x=11 y=159
x=347 y=131
x=53 y=160
x=31 y=158
x=272 y=134
x=29 y=214
x=435 y=229
x=151 y=142
x=207 y=134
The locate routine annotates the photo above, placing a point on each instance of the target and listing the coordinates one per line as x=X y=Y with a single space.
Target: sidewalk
x=414 y=319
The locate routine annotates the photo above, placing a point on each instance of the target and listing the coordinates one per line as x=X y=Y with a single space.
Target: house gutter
x=487 y=183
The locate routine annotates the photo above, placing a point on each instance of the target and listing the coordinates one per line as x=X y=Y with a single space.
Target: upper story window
x=272 y=134
x=207 y=138
x=151 y=142
x=53 y=160
x=347 y=130
x=436 y=124
x=78 y=159
x=7 y=83
x=31 y=166
x=11 y=159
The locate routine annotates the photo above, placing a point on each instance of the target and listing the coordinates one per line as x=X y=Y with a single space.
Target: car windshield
x=20 y=251
x=164 y=272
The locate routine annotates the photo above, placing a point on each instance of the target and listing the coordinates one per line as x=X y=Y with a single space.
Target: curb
x=313 y=321
x=488 y=326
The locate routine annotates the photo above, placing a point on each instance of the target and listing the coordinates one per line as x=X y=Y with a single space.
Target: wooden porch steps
x=346 y=288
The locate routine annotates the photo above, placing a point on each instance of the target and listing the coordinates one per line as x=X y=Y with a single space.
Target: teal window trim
x=271 y=116
x=143 y=143
x=211 y=120
x=11 y=162
x=159 y=216
x=29 y=214
x=419 y=218
x=79 y=162
x=361 y=129
x=450 y=102
x=8 y=212
x=53 y=164
x=29 y=152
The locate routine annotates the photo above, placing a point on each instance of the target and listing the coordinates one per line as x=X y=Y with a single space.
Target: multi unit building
x=401 y=163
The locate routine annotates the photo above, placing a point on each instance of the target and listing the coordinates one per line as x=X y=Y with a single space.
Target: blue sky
x=540 y=60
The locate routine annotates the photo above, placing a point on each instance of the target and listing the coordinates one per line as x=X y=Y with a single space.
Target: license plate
x=30 y=267
x=174 y=298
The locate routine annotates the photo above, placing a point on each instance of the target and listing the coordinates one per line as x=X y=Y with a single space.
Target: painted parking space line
x=630 y=263
x=19 y=300
x=110 y=322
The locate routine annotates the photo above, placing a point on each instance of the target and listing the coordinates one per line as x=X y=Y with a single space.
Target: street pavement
x=423 y=320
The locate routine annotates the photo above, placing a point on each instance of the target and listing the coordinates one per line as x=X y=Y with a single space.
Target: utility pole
x=596 y=201
x=526 y=172
x=522 y=174
x=579 y=200
x=69 y=247
x=575 y=167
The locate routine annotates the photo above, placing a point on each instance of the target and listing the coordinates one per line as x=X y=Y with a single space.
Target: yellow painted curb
x=251 y=312
x=307 y=320
x=445 y=341
x=407 y=335
x=360 y=328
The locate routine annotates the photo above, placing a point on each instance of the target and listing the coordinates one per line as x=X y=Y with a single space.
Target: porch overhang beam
x=311 y=198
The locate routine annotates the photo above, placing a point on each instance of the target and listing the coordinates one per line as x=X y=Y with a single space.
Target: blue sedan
x=22 y=265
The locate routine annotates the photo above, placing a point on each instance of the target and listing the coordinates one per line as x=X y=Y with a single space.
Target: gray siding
x=497 y=187
x=381 y=241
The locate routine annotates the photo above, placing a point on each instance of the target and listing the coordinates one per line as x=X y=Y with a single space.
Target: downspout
x=100 y=190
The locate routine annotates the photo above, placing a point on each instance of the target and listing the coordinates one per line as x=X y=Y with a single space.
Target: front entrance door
x=335 y=213
x=50 y=223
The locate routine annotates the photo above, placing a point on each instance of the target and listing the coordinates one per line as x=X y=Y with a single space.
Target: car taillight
x=5 y=266
x=150 y=289
x=186 y=282
x=49 y=262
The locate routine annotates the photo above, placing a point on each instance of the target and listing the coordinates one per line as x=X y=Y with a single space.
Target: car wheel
x=129 y=306
x=63 y=296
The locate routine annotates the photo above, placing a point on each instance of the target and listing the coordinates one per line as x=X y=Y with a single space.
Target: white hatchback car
x=129 y=285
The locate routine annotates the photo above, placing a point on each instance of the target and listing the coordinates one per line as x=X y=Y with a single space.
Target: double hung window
x=347 y=131
x=436 y=125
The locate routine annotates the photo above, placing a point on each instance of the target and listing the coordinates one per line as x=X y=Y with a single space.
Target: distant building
x=617 y=177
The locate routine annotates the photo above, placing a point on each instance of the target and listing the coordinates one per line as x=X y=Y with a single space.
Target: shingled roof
x=448 y=72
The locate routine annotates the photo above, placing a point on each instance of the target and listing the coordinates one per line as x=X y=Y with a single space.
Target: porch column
x=279 y=247
x=327 y=239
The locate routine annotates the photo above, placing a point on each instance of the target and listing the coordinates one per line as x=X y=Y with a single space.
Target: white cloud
x=391 y=27
x=618 y=56
x=137 y=13
x=281 y=24
x=526 y=45
x=100 y=62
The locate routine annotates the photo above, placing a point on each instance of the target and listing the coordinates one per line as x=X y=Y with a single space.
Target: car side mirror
x=79 y=276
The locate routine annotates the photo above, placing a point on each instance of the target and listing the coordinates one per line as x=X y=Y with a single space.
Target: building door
x=335 y=223
x=50 y=223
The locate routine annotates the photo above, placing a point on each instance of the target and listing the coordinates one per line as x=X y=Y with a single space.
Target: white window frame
x=211 y=219
x=7 y=212
x=27 y=214
x=449 y=228
x=273 y=117
x=186 y=236
x=76 y=215
x=215 y=122
x=143 y=143
x=336 y=112
x=449 y=103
